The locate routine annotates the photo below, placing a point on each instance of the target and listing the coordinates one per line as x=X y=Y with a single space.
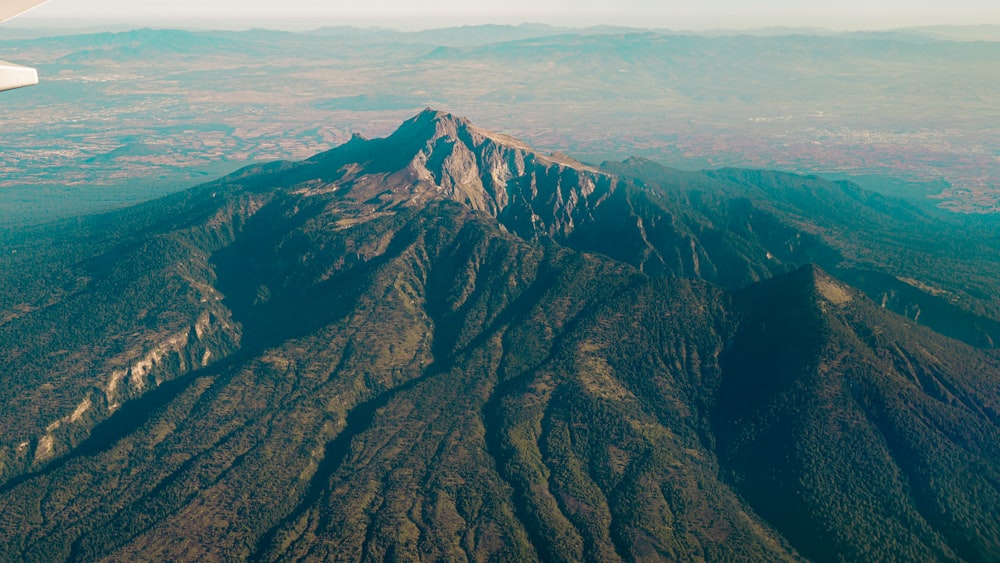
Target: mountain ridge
x=436 y=154
x=400 y=365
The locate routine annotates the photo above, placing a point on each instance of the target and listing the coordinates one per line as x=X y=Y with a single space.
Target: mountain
x=435 y=155
x=443 y=344
x=835 y=417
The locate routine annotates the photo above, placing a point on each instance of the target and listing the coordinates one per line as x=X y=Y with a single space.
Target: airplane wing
x=11 y=75
x=16 y=76
x=11 y=8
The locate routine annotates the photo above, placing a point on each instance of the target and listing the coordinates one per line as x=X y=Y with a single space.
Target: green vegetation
x=341 y=359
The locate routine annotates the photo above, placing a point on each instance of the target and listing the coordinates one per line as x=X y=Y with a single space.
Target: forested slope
x=443 y=345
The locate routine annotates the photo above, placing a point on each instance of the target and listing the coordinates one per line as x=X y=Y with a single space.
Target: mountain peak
x=436 y=115
x=431 y=125
x=828 y=289
x=807 y=292
x=430 y=119
x=438 y=155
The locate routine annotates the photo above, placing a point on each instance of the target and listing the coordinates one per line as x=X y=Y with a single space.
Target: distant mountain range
x=899 y=112
x=443 y=344
x=493 y=33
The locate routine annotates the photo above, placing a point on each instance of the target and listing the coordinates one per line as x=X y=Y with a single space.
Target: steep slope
x=747 y=225
x=436 y=400
x=857 y=434
x=98 y=312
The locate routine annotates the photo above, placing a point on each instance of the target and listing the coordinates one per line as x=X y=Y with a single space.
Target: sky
x=414 y=14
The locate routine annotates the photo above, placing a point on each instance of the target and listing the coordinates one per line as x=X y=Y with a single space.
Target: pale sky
x=409 y=14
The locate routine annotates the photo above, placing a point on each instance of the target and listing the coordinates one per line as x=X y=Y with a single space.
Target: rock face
x=436 y=155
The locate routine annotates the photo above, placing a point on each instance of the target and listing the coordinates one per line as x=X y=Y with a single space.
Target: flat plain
x=123 y=117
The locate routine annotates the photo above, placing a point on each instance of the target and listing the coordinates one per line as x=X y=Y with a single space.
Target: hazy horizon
x=395 y=14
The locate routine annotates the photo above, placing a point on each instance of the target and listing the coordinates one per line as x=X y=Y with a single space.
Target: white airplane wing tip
x=16 y=76
x=13 y=8
x=11 y=75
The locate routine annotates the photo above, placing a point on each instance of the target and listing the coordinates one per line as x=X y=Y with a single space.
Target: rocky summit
x=435 y=155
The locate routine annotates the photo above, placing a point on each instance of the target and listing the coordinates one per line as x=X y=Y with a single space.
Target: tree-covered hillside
x=443 y=345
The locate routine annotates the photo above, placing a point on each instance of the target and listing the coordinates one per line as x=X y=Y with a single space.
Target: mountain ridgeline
x=445 y=345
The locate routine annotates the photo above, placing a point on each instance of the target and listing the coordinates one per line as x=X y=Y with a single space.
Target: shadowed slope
x=856 y=433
